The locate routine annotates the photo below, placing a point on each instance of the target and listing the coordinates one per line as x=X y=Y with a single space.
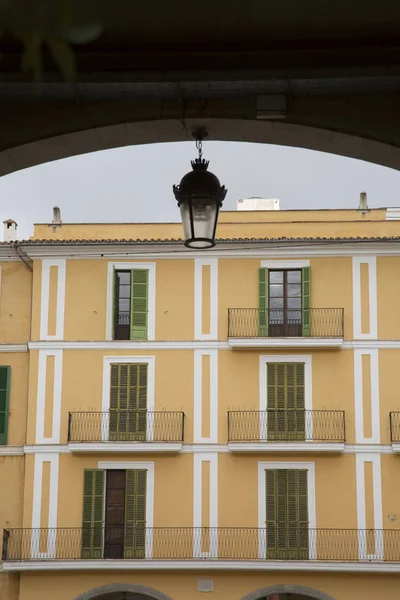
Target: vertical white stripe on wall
x=372 y=294
x=375 y=459
x=60 y=263
x=41 y=397
x=199 y=263
x=53 y=459
x=198 y=459
x=358 y=396
x=198 y=397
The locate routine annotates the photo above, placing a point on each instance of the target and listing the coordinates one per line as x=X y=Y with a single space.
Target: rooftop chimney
x=10 y=230
x=363 y=201
x=56 y=216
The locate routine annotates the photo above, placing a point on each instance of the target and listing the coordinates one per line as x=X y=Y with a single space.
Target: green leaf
x=63 y=56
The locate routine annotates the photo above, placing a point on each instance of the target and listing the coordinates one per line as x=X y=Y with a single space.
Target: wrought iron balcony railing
x=311 y=322
x=185 y=543
x=286 y=426
x=394 y=418
x=126 y=426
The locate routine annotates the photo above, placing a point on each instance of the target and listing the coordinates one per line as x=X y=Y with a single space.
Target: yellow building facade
x=177 y=423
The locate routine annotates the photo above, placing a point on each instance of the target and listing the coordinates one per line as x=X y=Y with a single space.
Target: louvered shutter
x=271 y=520
x=287 y=514
x=285 y=401
x=262 y=302
x=93 y=513
x=135 y=514
x=139 y=304
x=306 y=301
x=128 y=402
x=4 y=402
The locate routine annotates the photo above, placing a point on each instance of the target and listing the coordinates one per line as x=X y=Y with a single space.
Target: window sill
x=276 y=447
x=288 y=342
x=125 y=447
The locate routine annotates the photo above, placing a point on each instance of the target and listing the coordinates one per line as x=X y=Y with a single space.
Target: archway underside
x=287 y=592
x=174 y=130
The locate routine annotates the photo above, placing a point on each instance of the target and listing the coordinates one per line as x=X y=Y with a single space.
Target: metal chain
x=199 y=146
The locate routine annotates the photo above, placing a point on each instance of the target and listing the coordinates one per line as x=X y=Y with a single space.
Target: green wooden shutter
x=263 y=302
x=135 y=514
x=139 y=304
x=4 y=402
x=285 y=402
x=128 y=402
x=93 y=513
x=306 y=300
x=287 y=514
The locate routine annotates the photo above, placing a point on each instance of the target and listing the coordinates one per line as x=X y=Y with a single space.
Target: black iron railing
x=394 y=418
x=312 y=322
x=286 y=426
x=186 y=543
x=126 y=426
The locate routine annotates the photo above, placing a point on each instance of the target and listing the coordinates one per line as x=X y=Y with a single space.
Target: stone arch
x=118 y=135
x=262 y=593
x=133 y=588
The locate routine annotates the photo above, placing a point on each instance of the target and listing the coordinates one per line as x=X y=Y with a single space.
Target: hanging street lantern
x=199 y=196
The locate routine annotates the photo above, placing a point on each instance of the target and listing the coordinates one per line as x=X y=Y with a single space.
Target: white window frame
x=110 y=360
x=284 y=358
x=262 y=503
x=149 y=467
x=151 y=295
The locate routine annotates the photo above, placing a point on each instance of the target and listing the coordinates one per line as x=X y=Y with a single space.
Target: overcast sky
x=134 y=184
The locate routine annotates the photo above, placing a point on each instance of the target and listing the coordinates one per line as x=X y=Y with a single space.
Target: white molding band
x=310 y=468
x=124 y=447
x=203 y=565
x=60 y=263
x=110 y=360
x=41 y=397
x=198 y=397
x=359 y=396
x=290 y=342
x=299 y=447
x=53 y=459
x=198 y=460
x=13 y=347
x=285 y=358
x=285 y=264
x=372 y=295
x=375 y=459
x=199 y=263
x=151 y=299
x=149 y=467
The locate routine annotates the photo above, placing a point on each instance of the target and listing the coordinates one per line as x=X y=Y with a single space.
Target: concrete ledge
x=288 y=342
x=124 y=447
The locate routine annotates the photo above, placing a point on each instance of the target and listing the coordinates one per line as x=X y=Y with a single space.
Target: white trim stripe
x=372 y=294
x=198 y=397
x=41 y=397
x=60 y=263
x=359 y=396
x=199 y=263
x=285 y=264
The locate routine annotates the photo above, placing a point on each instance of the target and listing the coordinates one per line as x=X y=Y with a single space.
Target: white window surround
x=110 y=360
x=53 y=459
x=151 y=299
x=41 y=397
x=198 y=396
x=374 y=396
x=372 y=297
x=284 y=264
x=310 y=468
x=199 y=263
x=375 y=460
x=286 y=358
x=198 y=459
x=149 y=467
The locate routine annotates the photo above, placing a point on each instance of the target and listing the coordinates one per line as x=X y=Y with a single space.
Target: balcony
x=296 y=548
x=286 y=430
x=394 y=418
x=308 y=328
x=126 y=431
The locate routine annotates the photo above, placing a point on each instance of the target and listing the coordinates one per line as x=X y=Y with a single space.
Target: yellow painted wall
x=15 y=303
x=388 y=292
x=229 y=585
x=18 y=401
x=389 y=399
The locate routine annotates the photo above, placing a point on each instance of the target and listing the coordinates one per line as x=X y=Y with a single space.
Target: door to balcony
x=284 y=303
x=114 y=514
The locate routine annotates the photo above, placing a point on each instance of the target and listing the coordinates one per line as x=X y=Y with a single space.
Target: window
x=128 y=402
x=114 y=513
x=285 y=401
x=131 y=304
x=4 y=402
x=284 y=302
x=287 y=514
